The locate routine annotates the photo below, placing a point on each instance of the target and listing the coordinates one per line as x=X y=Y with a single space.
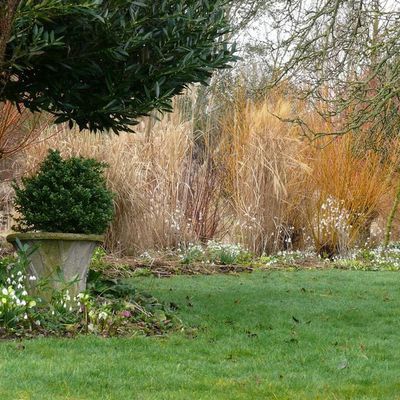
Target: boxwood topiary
x=66 y=195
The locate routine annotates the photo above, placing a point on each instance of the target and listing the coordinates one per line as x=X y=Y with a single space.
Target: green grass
x=247 y=344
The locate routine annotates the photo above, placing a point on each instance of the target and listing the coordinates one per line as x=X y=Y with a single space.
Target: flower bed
x=107 y=308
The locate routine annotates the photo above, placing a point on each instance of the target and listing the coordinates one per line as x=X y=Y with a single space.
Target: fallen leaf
x=343 y=364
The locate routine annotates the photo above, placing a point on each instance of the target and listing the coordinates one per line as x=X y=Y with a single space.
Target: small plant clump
x=365 y=259
x=65 y=196
x=192 y=253
x=374 y=259
x=226 y=254
x=107 y=308
x=291 y=258
x=215 y=253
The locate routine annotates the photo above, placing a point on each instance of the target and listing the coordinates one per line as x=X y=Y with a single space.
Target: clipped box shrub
x=66 y=195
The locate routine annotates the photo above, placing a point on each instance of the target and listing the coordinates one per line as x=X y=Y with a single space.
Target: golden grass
x=288 y=192
x=348 y=192
x=256 y=180
x=264 y=159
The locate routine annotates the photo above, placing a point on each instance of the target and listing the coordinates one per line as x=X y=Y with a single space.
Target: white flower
x=32 y=303
x=4 y=291
x=32 y=278
x=83 y=296
x=102 y=315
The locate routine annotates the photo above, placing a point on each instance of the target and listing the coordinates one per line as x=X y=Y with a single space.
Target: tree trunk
x=389 y=223
x=8 y=9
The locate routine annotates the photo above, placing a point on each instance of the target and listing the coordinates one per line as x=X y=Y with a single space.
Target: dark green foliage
x=103 y=63
x=65 y=196
x=98 y=285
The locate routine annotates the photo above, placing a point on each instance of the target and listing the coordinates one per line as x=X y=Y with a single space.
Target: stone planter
x=60 y=261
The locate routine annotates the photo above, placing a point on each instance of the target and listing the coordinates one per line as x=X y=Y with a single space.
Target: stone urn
x=59 y=261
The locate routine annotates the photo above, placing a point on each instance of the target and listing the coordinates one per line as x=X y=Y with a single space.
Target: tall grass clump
x=290 y=192
x=264 y=159
x=163 y=197
x=347 y=192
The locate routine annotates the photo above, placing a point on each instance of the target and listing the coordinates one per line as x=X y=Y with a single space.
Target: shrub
x=102 y=64
x=65 y=196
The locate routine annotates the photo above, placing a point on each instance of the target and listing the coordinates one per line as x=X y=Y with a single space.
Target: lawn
x=266 y=335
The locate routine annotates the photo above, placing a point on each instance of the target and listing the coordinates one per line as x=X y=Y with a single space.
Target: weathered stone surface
x=61 y=260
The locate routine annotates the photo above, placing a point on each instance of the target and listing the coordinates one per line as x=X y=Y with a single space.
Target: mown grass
x=267 y=335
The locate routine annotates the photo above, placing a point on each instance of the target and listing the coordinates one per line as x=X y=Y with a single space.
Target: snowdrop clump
x=374 y=259
x=16 y=305
x=192 y=253
x=226 y=253
x=290 y=257
x=213 y=252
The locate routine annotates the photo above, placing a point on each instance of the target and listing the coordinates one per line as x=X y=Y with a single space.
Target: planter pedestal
x=60 y=261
